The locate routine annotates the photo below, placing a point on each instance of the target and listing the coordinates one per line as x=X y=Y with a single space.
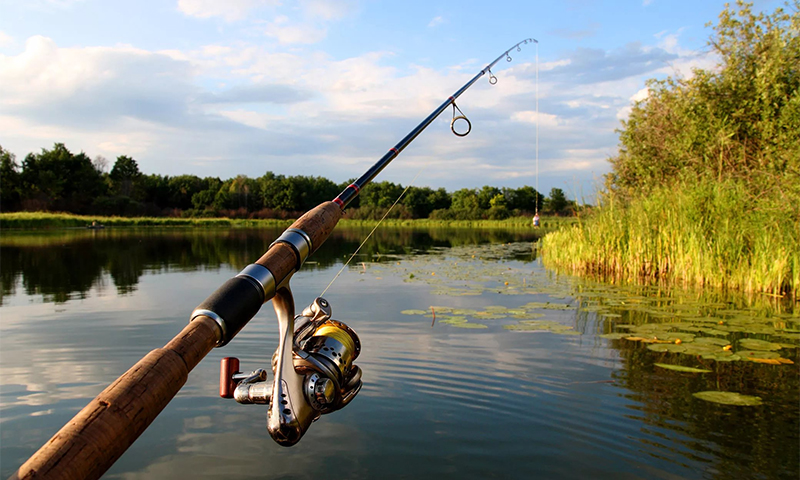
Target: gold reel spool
x=338 y=343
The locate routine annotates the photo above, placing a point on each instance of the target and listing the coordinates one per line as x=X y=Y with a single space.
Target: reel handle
x=228 y=367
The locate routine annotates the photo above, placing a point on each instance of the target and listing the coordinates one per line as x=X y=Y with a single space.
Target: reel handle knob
x=228 y=367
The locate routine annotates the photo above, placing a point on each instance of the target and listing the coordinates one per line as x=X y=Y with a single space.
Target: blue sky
x=323 y=87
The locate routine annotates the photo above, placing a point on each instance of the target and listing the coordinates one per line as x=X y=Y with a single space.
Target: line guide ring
x=459 y=117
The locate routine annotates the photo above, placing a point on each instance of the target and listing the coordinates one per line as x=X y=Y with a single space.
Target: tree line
x=59 y=180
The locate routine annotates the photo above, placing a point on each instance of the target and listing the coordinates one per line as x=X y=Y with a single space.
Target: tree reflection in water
x=65 y=265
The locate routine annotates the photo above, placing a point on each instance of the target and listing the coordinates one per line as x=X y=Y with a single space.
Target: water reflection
x=65 y=265
x=438 y=401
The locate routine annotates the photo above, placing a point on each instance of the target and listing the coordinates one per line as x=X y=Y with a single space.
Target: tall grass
x=702 y=234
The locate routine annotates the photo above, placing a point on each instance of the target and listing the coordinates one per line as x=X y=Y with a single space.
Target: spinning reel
x=313 y=371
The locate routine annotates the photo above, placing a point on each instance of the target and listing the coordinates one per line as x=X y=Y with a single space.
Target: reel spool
x=313 y=371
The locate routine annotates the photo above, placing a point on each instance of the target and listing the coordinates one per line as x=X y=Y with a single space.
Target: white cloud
x=326 y=9
x=91 y=85
x=640 y=95
x=288 y=33
x=5 y=40
x=436 y=21
x=544 y=119
x=195 y=111
x=230 y=10
x=262 y=121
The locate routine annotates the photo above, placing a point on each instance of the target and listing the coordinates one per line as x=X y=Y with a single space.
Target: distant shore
x=47 y=220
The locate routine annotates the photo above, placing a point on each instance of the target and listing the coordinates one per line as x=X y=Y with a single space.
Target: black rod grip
x=234 y=304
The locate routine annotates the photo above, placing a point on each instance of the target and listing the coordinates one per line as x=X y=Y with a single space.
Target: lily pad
x=614 y=336
x=728 y=398
x=468 y=325
x=667 y=347
x=496 y=308
x=542 y=326
x=439 y=309
x=529 y=315
x=721 y=342
x=723 y=356
x=413 y=312
x=755 y=344
x=454 y=320
x=695 y=348
x=750 y=354
x=681 y=368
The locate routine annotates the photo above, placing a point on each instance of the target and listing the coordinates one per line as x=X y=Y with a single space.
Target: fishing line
x=537 y=127
x=370 y=233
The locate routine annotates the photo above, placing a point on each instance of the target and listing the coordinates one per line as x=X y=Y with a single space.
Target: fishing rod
x=313 y=369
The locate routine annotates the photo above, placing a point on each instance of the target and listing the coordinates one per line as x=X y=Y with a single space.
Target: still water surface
x=529 y=389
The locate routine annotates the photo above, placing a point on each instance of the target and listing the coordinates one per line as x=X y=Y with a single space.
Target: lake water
x=522 y=374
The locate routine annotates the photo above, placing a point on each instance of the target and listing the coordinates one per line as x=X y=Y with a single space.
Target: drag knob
x=320 y=391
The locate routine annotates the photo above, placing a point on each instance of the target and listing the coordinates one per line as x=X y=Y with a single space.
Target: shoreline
x=19 y=221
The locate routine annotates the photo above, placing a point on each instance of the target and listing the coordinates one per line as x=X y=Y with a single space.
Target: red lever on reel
x=228 y=367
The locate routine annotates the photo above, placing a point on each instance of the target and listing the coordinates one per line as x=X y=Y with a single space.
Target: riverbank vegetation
x=58 y=180
x=705 y=189
x=42 y=220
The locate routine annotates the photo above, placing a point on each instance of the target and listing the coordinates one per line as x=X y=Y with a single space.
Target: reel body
x=313 y=370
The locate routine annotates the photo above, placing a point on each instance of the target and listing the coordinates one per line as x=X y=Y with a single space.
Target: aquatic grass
x=698 y=234
x=40 y=220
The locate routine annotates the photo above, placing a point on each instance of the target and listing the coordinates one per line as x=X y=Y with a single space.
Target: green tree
x=485 y=196
x=380 y=194
x=156 y=190
x=126 y=178
x=557 y=201
x=421 y=201
x=465 y=199
x=203 y=199
x=9 y=181
x=498 y=209
x=59 y=180
x=738 y=121
x=181 y=190
x=525 y=198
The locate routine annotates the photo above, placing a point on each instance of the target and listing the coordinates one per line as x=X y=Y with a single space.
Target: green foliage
x=738 y=121
x=525 y=199
x=126 y=178
x=465 y=199
x=59 y=180
x=557 y=202
x=127 y=191
x=705 y=187
x=9 y=181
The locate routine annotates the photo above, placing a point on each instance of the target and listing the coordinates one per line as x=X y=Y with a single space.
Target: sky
x=325 y=87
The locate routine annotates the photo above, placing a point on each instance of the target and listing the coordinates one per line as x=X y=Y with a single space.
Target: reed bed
x=707 y=234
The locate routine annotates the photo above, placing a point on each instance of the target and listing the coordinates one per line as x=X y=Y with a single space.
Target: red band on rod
x=355 y=187
x=338 y=202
